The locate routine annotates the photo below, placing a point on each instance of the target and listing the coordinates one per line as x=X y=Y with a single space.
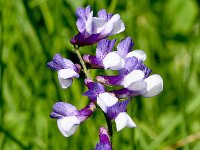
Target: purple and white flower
x=94 y=89
x=93 y=29
x=118 y=113
x=69 y=118
x=66 y=69
x=108 y=59
x=104 y=142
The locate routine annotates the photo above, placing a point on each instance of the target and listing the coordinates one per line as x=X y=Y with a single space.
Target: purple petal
x=64 y=109
x=53 y=66
x=109 y=16
x=87 y=10
x=70 y=64
x=104 y=143
x=81 y=13
x=92 y=39
x=80 y=23
x=131 y=63
x=93 y=61
x=110 y=80
x=146 y=70
x=78 y=68
x=103 y=14
x=104 y=47
x=104 y=136
x=114 y=110
x=81 y=40
x=94 y=90
x=55 y=115
x=78 y=40
x=125 y=46
x=57 y=63
x=86 y=112
x=100 y=146
x=87 y=81
x=125 y=93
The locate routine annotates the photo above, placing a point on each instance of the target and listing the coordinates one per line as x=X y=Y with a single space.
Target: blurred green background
x=32 y=31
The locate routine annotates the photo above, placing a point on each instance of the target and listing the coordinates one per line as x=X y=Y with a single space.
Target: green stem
x=87 y=74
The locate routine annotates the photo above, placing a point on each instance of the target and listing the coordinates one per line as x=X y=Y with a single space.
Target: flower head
x=93 y=29
x=69 y=118
x=66 y=69
x=104 y=143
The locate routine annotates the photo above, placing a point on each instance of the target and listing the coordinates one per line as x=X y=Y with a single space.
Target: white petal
x=137 y=86
x=154 y=85
x=105 y=100
x=140 y=54
x=68 y=125
x=114 y=18
x=88 y=25
x=133 y=77
x=101 y=104
x=67 y=73
x=98 y=25
x=109 y=26
x=130 y=123
x=65 y=83
x=107 y=29
x=118 y=26
x=113 y=61
x=123 y=120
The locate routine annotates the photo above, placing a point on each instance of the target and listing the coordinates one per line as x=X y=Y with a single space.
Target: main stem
x=87 y=74
x=85 y=70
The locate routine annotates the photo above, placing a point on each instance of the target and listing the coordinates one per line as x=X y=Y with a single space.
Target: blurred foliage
x=32 y=31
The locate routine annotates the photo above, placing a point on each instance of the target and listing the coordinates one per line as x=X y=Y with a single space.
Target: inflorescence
x=134 y=77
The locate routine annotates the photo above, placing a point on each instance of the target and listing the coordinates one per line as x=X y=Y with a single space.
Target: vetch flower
x=108 y=59
x=104 y=142
x=69 y=118
x=94 y=89
x=93 y=29
x=118 y=113
x=66 y=69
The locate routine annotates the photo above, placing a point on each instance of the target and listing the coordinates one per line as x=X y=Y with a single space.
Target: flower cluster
x=133 y=79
